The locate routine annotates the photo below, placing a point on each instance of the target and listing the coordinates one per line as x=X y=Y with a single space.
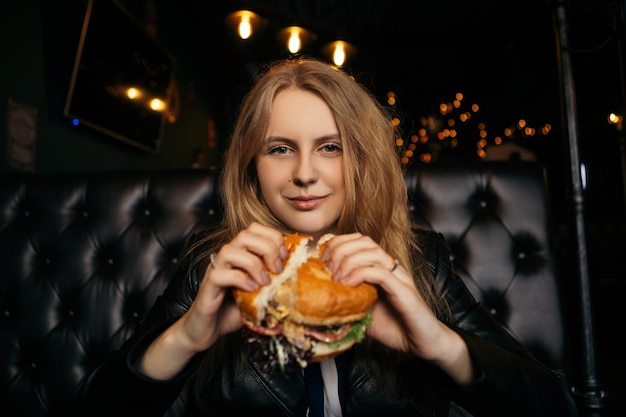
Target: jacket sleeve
x=508 y=379
x=115 y=388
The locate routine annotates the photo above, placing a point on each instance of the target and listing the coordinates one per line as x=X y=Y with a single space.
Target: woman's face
x=300 y=166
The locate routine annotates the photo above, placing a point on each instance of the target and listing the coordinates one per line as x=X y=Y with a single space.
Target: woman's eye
x=331 y=147
x=279 y=150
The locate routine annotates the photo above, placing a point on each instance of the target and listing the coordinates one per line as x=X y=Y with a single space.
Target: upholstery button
x=211 y=212
x=146 y=212
x=110 y=261
x=135 y=314
x=85 y=214
x=71 y=313
x=33 y=365
x=174 y=261
x=493 y=311
x=521 y=255
x=27 y=213
x=6 y=313
x=47 y=261
x=483 y=203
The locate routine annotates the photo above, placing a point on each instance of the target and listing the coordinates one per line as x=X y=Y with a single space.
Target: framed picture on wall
x=122 y=79
x=21 y=136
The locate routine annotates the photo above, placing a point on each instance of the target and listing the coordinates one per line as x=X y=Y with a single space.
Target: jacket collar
x=286 y=390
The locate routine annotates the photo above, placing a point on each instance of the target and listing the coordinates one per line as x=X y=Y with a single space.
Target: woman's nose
x=305 y=171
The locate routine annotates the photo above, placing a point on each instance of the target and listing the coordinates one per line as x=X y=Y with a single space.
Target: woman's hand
x=401 y=318
x=241 y=263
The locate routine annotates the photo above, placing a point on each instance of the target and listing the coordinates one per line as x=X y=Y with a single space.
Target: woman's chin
x=312 y=227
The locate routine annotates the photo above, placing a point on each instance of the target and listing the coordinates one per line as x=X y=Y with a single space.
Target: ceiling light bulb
x=339 y=52
x=294 y=43
x=339 y=56
x=295 y=38
x=157 y=104
x=245 y=22
x=245 y=28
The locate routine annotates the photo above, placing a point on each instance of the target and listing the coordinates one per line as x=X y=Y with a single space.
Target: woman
x=313 y=152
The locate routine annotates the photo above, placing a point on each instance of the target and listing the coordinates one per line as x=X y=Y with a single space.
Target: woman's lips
x=307 y=203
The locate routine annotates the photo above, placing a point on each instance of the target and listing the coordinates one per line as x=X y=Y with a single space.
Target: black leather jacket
x=509 y=382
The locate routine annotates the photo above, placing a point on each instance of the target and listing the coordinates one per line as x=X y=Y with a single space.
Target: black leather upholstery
x=83 y=256
x=496 y=219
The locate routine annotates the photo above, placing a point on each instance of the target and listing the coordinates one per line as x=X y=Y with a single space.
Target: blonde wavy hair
x=376 y=195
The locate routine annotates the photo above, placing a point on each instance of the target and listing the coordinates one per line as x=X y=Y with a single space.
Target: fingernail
x=330 y=265
x=283 y=252
x=278 y=264
x=266 y=278
x=252 y=284
x=337 y=276
x=324 y=256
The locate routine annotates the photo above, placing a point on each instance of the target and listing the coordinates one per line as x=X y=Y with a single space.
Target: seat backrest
x=496 y=218
x=82 y=259
x=84 y=255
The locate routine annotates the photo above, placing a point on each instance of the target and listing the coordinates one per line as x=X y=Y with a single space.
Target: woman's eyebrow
x=330 y=136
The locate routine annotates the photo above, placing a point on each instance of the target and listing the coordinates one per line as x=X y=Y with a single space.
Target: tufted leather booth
x=84 y=255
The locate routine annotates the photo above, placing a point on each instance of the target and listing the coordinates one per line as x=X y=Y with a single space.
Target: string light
x=435 y=133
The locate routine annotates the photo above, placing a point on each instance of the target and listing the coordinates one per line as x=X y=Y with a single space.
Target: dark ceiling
x=500 y=54
x=421 y=49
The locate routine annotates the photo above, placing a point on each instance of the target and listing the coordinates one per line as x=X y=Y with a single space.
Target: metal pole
x=589 y=393
x=621 y=134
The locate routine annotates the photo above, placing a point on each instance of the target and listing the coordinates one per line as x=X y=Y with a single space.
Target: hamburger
x=303 y=315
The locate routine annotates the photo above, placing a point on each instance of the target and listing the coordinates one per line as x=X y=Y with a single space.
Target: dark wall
x=38 y=45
